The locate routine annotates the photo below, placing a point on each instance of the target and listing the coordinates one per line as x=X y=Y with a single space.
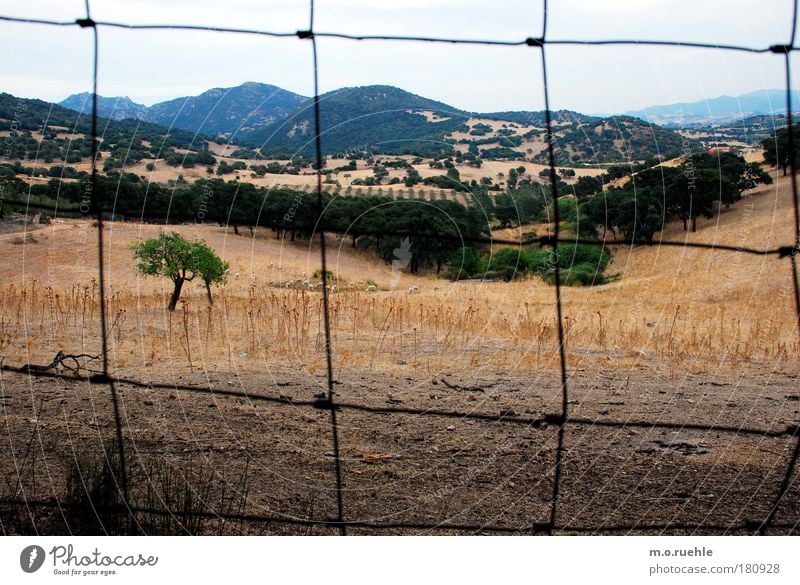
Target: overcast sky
x=150 y=66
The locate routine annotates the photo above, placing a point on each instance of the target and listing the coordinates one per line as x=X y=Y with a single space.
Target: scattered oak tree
x=173 y=256
x=210 y=267
x=776 y=149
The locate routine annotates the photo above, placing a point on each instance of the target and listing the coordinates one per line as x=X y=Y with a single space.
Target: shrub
x=579 y=264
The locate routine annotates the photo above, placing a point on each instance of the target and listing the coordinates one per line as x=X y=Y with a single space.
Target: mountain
x=227 y=110
x=386 y=119
x=357 y=119
x=64 y=132
x=720 y=109
x=113 y=108
x=218 y=111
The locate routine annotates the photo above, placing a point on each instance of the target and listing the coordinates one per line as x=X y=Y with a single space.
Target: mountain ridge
x=391 y=120
x=722 y=108
x=216 y=111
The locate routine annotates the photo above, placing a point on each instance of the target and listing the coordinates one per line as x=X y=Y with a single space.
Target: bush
x=579 y=264
x=331 y=277
x=509 y=263
x=580 y=274
x=463 y=263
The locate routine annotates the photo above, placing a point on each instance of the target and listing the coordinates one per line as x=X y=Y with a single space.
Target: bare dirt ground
x=683 y=380
x=431 y=469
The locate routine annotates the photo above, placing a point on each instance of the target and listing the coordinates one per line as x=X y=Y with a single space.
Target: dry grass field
x=682 y=336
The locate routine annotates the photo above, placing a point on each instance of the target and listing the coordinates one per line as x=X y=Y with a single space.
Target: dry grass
x=692 y=309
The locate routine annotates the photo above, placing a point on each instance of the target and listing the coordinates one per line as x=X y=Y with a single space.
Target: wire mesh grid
x=561 y=420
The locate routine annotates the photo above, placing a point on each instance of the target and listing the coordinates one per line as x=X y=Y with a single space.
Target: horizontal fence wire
x=559 y=420
x=528 y=41
x=541 y=422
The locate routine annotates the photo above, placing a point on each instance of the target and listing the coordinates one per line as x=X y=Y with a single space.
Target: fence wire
x=560 y=419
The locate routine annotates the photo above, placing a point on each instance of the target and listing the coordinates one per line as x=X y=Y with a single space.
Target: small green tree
x=210 y=267
x=173 y=256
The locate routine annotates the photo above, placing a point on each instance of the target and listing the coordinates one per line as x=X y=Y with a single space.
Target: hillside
x=389 y=120
x=578 y=139
x=357 y=119
x=618 y=139
x=748 y=131
x=227 y=110
x=48 y=133
x=216 y=111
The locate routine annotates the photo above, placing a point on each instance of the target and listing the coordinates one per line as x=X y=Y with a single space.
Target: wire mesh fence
x=561 y=420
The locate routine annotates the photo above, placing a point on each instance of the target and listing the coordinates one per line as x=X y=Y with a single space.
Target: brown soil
x=429 y=468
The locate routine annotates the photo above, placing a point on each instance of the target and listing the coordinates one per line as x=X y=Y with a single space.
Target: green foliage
x=776 y=149
x=519 y=206
x=509 y=263
x=381 y=119
x=247 y=154
x=501 y=152
x=211 y=268
x=480 y=129
x=463 y=263
x=167 y=255
x=224 y=168
x=653 y=196
x=329 y=275
x=174 y=257
x=567 y=209
x=579 y=264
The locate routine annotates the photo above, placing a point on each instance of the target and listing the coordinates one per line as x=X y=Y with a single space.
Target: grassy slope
x=684 y=303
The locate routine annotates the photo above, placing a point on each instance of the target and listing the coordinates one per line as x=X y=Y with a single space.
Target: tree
x=776 y=149
x=210 y=267
x=180 y=260
x=637 y=214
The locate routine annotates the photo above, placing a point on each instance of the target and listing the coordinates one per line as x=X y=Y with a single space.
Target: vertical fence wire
x=786 y=483
x=557 y=277
x=324 y=262
x=97 y=207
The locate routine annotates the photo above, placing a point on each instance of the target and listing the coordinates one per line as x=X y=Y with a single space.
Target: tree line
x=441 y=230
x=698 y=187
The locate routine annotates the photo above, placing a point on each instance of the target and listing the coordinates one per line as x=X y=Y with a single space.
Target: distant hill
x=390 y=120
x=617 y=139
x=37 y=115
x=63 y=136
x=218 y=111
x=356 y=119
x=538 y=118
x=579 y=138
x=114 y=108
x=717 y=110
x=227 y=110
